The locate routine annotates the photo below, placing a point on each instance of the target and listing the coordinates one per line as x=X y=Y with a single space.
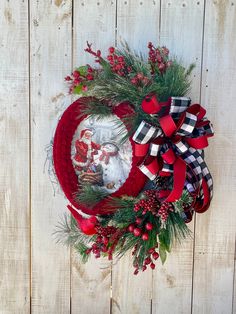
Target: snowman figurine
x=112 y=165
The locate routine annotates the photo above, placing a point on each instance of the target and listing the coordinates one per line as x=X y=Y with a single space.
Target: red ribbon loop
x=150 y=104
x=141 y=150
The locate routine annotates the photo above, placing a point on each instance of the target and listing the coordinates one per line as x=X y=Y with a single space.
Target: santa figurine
x=85 y=149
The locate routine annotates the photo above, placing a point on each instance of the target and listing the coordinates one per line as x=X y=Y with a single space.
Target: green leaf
x=162 y=252
x=83 y=70
x=78 y=89
x=165 y=240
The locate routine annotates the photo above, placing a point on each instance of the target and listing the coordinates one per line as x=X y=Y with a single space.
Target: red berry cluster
x=158 y=57
x=103 y=239
x=139 y=229
x=96 y=54
x=164 y=210
x=140 y=80
x=148 y=261
x=149 y=203
x=117 y=63
x=77 y=79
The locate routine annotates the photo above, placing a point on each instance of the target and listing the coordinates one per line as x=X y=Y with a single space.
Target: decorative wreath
x=129 y=157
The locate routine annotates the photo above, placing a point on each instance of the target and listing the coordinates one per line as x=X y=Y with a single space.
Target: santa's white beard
x=86 y=141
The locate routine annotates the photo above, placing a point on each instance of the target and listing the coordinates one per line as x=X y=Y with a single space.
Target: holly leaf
x=164 y=238
x=162 y=252
x=83 y=70
x=78 y=89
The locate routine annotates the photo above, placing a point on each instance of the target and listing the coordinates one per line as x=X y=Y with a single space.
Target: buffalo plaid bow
x=175 y=148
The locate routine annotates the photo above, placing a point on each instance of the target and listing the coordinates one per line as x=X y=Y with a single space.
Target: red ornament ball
x=137 y=232
x=145 y=236
x=138 y=221
x=148 y=226
x=131 y=228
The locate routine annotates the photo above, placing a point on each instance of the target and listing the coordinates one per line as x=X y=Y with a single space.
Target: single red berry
x=137 y=232
x=138 y=221
x=148 y=226
x=144 y=267
x=155 y=255
x=152 y=265
x=136 y=271
x=139 y=76
x=131 y=228
x=76 y=81
x=118 y=67
x=90 y=70
x=98 y=53
x=147 y=260
x=105 y=240
x=134 y=81
x=89 y=77
x=145 y=237
x=68 y=78
x=152 y=250
x=120 y=59
x=99 y=239
x=76 y=73
x=111 y=50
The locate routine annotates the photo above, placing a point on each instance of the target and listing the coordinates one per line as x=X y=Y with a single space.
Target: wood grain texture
x=138 y=23
x=50 y=53
x=14 y=171
x=215 y=230
x=181 y=30
x=94 y=21
x=133 y=294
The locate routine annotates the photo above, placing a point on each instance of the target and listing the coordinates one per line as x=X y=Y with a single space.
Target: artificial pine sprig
x=90 y=195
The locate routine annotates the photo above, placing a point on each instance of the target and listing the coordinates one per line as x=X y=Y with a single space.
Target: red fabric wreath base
x=65 y=172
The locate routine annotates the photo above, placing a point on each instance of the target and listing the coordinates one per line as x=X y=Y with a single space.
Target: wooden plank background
x=40 y=42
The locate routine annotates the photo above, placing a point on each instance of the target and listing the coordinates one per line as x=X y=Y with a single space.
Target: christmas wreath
x=128 y=154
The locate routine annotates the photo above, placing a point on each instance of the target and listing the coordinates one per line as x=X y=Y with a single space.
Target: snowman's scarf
x=106 y=156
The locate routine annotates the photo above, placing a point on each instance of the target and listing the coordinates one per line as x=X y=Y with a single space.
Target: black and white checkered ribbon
x=197 y=169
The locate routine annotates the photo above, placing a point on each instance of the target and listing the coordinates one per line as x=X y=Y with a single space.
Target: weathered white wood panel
x=181 y=30
x=137 y=23
x=14 y=171
x=215 y=230
x=94 y=21
x=50 y=52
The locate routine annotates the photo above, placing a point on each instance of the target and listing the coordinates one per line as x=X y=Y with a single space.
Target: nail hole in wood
x=125 y=2
x=140 y=3
x=232 y=3
x=184 y=5
x=198 y=2
x=98 y=3
x=206 y=85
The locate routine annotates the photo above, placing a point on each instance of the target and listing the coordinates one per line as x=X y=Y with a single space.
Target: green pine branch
x=90 y=195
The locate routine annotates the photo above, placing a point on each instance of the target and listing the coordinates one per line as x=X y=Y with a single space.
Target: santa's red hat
x=84 y=131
